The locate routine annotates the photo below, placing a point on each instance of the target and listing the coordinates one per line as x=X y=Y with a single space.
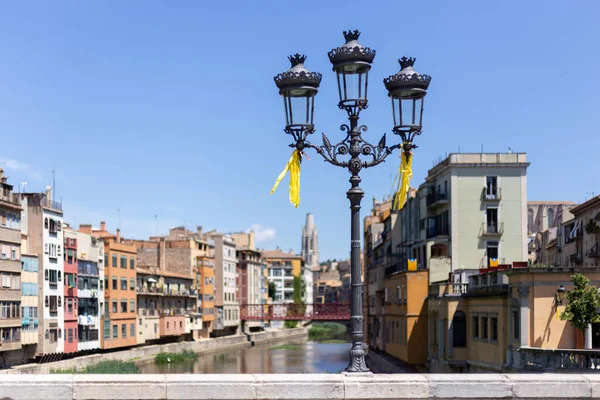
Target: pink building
x=70 y=291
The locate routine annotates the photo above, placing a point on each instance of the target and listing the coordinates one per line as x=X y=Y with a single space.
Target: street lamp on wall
x=559 y=297
x=352 y=62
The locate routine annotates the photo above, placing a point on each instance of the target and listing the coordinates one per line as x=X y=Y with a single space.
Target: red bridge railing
x=282 y=312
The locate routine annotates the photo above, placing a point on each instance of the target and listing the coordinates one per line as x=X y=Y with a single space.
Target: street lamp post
x=407 y=89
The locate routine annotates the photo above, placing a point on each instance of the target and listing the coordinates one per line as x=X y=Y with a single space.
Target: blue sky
x=169 y=108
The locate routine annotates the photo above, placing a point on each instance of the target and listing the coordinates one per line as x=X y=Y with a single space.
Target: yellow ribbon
x=403 y=178
x=293 y=165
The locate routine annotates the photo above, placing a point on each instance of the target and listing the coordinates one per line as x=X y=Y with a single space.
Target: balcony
x=10 y=294
x=488 y=284
x=7 y=265
x=558 y=360
x=434 y=200
x=441 y=232
x=152 y=290
x=594 y=252
x=491 y=195
x=486 y=261
x=492 y=229
x=88 y=320
x=448 y=289
x=576 y=259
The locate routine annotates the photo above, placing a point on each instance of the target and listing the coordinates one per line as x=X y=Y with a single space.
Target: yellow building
x=405 y=333
x=504 y=319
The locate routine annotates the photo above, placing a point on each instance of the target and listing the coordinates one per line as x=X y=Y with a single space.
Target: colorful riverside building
x=10 y=270
x=119 y=318
x=90 y=289
x=70 y=290
x=182 y=254
x=43 y=220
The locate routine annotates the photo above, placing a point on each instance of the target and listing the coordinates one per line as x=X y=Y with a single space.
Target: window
x=114 y=283
x=106 y=259
x=52 y=335
x=492 y=251
x=45 y=223
x=52 y=276
x=123 y=262
x=131 y=263
x=70 y=335
x=459 y=329
x=115 y=331
x=132 y=305
x=492 y=220
x=131 y=284
x=484 y=328
x=123 y=331
x=516 y=325
x=53 y=304
x=114 y=306
x=475 y=327
x=114 y=260
x=123 y=306
x=491 y=187
x=494 y=323
x=132 y=330
x=123 y=283
x=106 y=329
x=70 y=306
x=550 y=218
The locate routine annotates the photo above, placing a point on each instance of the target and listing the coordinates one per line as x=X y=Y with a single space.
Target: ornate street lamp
x=407 y=89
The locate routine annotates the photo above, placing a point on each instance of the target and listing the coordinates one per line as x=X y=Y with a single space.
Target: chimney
x=118 y=235
x=49 y=193
x=102 y=225
x=85 y=228
x=199 y=230
x=291 y=252
x=162 y=261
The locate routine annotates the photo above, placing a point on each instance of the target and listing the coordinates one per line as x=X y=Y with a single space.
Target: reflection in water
x=304 y=357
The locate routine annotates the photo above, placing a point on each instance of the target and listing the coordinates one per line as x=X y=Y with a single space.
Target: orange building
x=206 y=279
x=405 y=333
x=118 y=322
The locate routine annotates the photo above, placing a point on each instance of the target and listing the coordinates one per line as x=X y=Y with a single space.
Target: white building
x=226 y=302
x=44 y=220
x=90 y=290
x=473 y=213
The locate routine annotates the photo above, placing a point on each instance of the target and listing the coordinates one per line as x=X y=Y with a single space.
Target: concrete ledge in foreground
x=300 y=386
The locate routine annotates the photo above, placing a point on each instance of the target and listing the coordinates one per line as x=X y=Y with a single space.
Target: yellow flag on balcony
x=403 y=178
x=293 y=166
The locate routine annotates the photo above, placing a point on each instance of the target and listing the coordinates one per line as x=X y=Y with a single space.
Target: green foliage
x=112 y=367
x=300 y=307
x=103 y=367
x=583 y=303
x=272 y=290
x=174 y=358
x=326 y=331
x=63 y=371
x=290 y=324
x=285 y=347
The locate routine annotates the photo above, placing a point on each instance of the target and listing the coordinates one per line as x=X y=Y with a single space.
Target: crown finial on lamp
x=297 y=59
x=351 y=35
x=406 y=62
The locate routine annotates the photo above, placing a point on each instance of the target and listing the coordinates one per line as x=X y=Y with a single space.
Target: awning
x=152 y=280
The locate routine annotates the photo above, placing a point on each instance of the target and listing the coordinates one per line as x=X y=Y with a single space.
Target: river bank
x=144 y=353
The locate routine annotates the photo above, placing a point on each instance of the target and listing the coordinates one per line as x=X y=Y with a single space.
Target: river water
x=298 y=356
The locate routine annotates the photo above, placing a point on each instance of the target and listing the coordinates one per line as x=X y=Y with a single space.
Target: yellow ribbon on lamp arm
x=403 y=178
x=293 y=166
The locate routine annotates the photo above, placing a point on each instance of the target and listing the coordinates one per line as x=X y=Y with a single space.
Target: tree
x=272 y=290
x=583 y=303
x=298 y=308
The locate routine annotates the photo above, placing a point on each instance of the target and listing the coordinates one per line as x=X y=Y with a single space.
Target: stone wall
x=300 y=386
x=261 y=337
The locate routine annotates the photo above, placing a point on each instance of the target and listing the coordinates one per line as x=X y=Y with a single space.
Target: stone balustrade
x=301 y=386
